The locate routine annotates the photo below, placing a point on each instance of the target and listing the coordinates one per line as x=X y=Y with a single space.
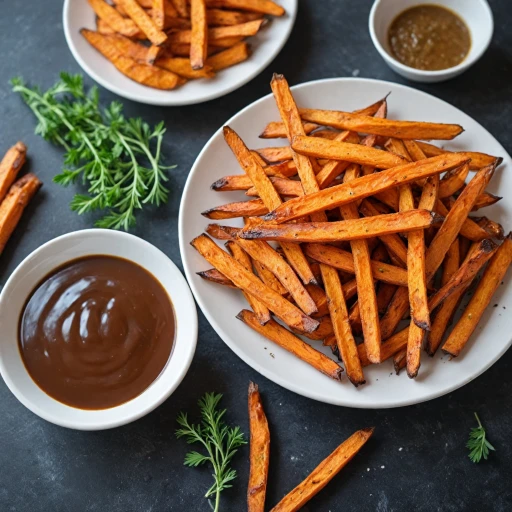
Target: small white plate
x=220 y=305
x=265 y=46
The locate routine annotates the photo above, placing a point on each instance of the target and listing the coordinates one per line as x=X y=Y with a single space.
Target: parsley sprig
x=478 y=444
x=220 y=442
x=119 y=159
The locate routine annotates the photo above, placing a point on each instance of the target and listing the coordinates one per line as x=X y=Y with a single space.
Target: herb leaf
x=478 y=444
x=118 y=159
x=220 y=442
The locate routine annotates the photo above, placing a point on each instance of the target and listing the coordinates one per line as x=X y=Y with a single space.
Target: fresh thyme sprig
x=118 y=159
x=220 y=442
x=478 y=444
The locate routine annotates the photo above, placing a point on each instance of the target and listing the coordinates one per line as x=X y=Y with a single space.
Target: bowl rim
x=466 y=63
x=187 y=334
x=172 y=102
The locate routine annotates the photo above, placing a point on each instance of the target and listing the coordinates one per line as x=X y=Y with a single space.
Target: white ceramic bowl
x=476 y=13
x=57 y=252
x=265 y=46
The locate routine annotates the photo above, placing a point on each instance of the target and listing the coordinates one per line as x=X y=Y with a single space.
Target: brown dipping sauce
x=97 y=332
x=429 y=37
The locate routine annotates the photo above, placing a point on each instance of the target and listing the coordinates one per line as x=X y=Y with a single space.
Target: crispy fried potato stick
x=275 y=154
x=324 y=330
x=396 y=310
x=400 y=361
x=470 y=229
x=248 y=282
x=182 y=8
x=10 y=166
x=260 y=6
x=253 y=208
x=283 y=186
x=489 y=283
x=14 y=203
x=141 y=73
x=379 y=126
x=318 y=295
x=343 y=260
x=485 y=199
x=385 y=294
x=270 y=197
x=285 y=339
x=229 y=57
x=324 y=472
x=113 y=19
x=198 y=35
x=158 y=13
x=277 y=130
x=445 y=312
x=354 y=229
x=453 y=181
x=363 y=187
x=393 y=242
x=181 y=66
x=341 y=326
x=221 y=18
x=478 y=160
x=388 y=349
x=454 y=220
x=268 y=278
x=495 y=229
x=222 y=232
x=335 y=150
x=260 y=310
x=143 y=21
x=259 y=456
x=215 y=276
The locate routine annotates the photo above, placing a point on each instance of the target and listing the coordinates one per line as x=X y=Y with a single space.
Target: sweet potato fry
x=356 y=229
x=495 y=229
x=324 y=472
x=221 y=17
x=339 y=317
x=14 y=203
x=470 y=229
x=343 y=260
x=198 y=35
x=109 y=15
x=128 y=48
x=248 y=282
x=324 y=330
x=400 y=361
x=182 y=7
x=335 y=150
x=10 y=166
x=141 y=18
x=141 y=73
x=490 y=281
x=275 y=154
x=266 y=255
x=268 y=278
x=451 y=227
x=252 y=208
x=318 y=295
x=445 y=312
x=377 y=126
x=222 y=232
x=229 y=57
x=181 y=66
x=215 y=276
x=478 y=160
x=485 y=199
x=285 y=339
x=283 y=186
x=385 y=294
x=158 y=13
x=453 y=181
x=260 y=6
x=363 y=187
x=260 y=310
x=389 y=348
x=397 y=308
x=259 y=456
x=277 y=130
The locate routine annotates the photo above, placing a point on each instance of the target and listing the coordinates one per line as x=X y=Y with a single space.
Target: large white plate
x=439 y=375
x=265 y=47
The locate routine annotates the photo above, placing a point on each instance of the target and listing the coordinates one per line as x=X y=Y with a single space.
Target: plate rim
x=173 y=102
x=270 y=374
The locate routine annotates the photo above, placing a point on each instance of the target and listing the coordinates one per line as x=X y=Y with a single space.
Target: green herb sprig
x=220 y=442
x=119 y=159
x=478 y=444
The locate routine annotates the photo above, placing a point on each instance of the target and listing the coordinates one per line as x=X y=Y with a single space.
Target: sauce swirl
x=97 y=332
x=429 y=37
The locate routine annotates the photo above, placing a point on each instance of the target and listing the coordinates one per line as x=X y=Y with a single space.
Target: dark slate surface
x=416 y=460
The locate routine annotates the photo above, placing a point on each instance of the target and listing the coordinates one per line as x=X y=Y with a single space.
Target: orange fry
x=10 y=165
x=198 y=35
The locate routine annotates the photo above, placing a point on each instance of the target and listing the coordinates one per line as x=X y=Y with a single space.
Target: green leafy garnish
x=220 y=442
x=478 y=445
x=118 y=159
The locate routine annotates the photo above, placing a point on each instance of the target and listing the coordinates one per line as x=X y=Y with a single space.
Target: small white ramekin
x=476 y=13
x=54 y=254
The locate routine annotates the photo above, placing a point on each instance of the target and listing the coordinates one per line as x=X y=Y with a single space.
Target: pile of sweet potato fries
x=260 y=458
x=370 y=234
x=164 y=43
x=14 y=195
